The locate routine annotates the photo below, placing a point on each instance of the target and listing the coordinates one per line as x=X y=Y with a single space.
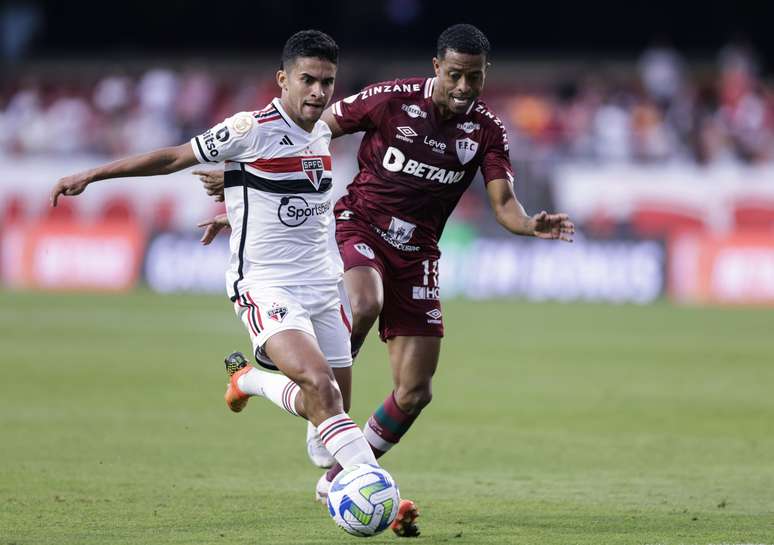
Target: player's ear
x=437 y=66
x=282 y=80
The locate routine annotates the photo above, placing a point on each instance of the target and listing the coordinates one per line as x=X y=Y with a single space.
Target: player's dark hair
x=463 y=38
x=309 y=43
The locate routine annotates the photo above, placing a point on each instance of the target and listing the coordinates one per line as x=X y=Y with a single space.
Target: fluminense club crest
x=314 y=170
x=466 y=150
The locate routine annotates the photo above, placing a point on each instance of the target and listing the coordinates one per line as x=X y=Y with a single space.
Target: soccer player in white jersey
x=283 y=280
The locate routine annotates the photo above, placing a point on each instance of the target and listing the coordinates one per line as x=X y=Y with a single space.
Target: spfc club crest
x=466 y=150
x=314 y=170
x=277 y=312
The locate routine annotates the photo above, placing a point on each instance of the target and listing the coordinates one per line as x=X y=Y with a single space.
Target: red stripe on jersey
x=267 y=109
x=288 y=164
x=270 y=118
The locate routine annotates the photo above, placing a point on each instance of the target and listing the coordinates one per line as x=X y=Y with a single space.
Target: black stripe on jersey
x=201 y=151
x=243 y=238
x=267 y=114
x=284 y=187
x=285 y=119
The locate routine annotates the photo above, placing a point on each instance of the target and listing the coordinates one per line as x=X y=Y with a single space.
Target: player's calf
x=413 y=399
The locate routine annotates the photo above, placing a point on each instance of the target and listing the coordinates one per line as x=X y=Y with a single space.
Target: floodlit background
x=616 y=390
x=654 y=133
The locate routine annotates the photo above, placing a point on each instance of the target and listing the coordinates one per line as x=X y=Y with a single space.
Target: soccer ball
x=363 y=500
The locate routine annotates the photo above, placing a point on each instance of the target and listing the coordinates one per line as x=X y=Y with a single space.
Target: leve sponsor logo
x=436 y=145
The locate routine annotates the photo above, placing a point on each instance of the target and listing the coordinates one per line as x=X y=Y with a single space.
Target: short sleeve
x=361 y=111
x=497 y=162
x=235 y=138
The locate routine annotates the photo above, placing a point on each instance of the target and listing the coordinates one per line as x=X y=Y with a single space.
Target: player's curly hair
x=463 y=38
x=309 y=43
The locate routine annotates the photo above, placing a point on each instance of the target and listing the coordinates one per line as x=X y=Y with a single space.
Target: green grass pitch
x=551 y=424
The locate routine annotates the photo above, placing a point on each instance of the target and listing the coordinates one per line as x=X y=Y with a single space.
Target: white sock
x=345 y=441
x=275 y=387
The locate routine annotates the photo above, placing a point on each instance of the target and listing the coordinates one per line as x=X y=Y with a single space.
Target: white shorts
x=321 y=311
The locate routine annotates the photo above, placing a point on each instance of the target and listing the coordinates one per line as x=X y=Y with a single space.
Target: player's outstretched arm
x=511 y=215
x=212 y=180
x=213 y=227
x=333 y=125
x=160 y=161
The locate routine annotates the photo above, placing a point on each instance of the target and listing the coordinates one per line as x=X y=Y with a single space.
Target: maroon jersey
x=413 y=165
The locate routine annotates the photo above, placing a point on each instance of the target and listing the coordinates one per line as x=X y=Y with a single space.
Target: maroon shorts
x=412 y=305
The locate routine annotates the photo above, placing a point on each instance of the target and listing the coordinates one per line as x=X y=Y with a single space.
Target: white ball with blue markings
x=363 y=500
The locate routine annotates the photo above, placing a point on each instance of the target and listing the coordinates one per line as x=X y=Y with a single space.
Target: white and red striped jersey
x=278 y=198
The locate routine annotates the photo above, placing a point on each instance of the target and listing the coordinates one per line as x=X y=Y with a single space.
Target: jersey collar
x=292 y=124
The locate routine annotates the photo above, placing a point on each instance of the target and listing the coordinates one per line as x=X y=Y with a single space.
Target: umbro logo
x=286 y=141
x=406 y=134
x=435 y=316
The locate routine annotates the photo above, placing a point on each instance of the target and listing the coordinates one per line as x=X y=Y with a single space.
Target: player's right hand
x=213 y=227
x=69 y=185
x=212 y=180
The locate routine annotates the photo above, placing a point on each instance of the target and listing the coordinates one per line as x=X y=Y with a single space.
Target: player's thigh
x=331 y=320
x=364 y=290
x=412 y=300
x=413 y=360
x=364 y=268
x=296 y=353
x=267 y=311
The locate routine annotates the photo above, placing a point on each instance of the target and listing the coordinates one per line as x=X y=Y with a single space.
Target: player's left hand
x=213 y=227
x=212 y=180
x=69 y=185
x=553 y=226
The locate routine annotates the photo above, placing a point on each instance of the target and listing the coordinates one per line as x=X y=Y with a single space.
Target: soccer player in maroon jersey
x=425 y=139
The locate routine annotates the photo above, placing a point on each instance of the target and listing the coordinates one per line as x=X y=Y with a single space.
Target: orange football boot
x=404 y=524
x=236 y=366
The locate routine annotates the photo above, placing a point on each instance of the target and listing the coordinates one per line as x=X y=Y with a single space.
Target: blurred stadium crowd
x=664 y=110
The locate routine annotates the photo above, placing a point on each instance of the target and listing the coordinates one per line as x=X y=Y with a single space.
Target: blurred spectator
x=660 y=111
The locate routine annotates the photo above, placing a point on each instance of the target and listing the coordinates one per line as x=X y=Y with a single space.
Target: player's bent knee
x=365 y=307
x=413 y=400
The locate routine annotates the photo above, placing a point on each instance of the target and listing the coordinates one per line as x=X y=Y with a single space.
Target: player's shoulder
x=401 y=88
x=321 y=128
x=268 y=118
x=482 y=114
